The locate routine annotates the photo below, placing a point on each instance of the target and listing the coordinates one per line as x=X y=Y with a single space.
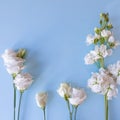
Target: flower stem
x=70 y=114
x=14 y=101
x=44 y=113
x=102 y=62
x=75 y=112
x=20 y=99
x=106 y=107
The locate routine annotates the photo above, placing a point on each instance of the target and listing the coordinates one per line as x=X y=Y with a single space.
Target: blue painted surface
x=54 y=33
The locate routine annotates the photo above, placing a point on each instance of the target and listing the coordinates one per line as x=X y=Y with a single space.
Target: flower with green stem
x=65 y=92
x=22 y=81
x=14 y=62
x=41 y=100
x=102 y=82
x=77 y=97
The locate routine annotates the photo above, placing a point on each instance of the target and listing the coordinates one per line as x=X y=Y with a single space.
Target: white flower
x=93 y=83
x=106 y=33
x=13 y=63
x=112 y=92
x=102 y=50
x=99 y=52
x=77 y=97
x=41 y=99
x=113 y=41
x=64 y=90
x=114 y=69
x=22 y=81
x=91 y=57
x=118 y=80
x=104 y=83
x=90 y=39
x=8 y=53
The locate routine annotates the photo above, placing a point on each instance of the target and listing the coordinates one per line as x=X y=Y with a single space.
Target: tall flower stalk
x=104 y=82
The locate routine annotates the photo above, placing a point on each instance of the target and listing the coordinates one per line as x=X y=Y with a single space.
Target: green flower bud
x=109 y=26
x=21 y=53
x=97 y=30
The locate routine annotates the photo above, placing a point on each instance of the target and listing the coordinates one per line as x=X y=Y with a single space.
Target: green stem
x=20 y=99
x=14 y=101
x=70 y=114
x=72 y=109
x=102 y=63
x=44 y=113
x=75 y=112
x=106 y=107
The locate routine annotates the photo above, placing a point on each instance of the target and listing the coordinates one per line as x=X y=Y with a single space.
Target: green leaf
x=109 y=26
x=111 y=45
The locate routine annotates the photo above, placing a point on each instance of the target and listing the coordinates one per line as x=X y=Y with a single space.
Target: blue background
x=54 y=33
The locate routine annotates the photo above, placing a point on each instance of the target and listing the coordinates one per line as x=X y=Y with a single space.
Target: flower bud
x=41 y=99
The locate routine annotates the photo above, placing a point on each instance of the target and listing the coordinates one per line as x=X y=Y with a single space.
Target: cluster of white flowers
x=73 y=95
x=41 y=99
x=104 y=83
x=106 y=80
x=105 y=49
x=14 y=62
x=99 y=52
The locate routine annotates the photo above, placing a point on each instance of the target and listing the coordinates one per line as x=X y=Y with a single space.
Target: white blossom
x=22 y=81
x=91 y=57
x=13 y=63
x=90 y=39
x=118 y=80
x=115 y=69
x=41 y=99
x=106 y=33
x=104 y=83
x=112 y=41
x=64 y=90
x=77 y=96
x=99 y=52
x=102 y=50
x=112 y=91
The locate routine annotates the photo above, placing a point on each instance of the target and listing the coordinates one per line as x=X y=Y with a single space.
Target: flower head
x=22 y=81
x=14 y=63
x=64 y=90
x=77 y=96
x=104 y=83
x=106 y=33
x=41 y=99
x=96 y=54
